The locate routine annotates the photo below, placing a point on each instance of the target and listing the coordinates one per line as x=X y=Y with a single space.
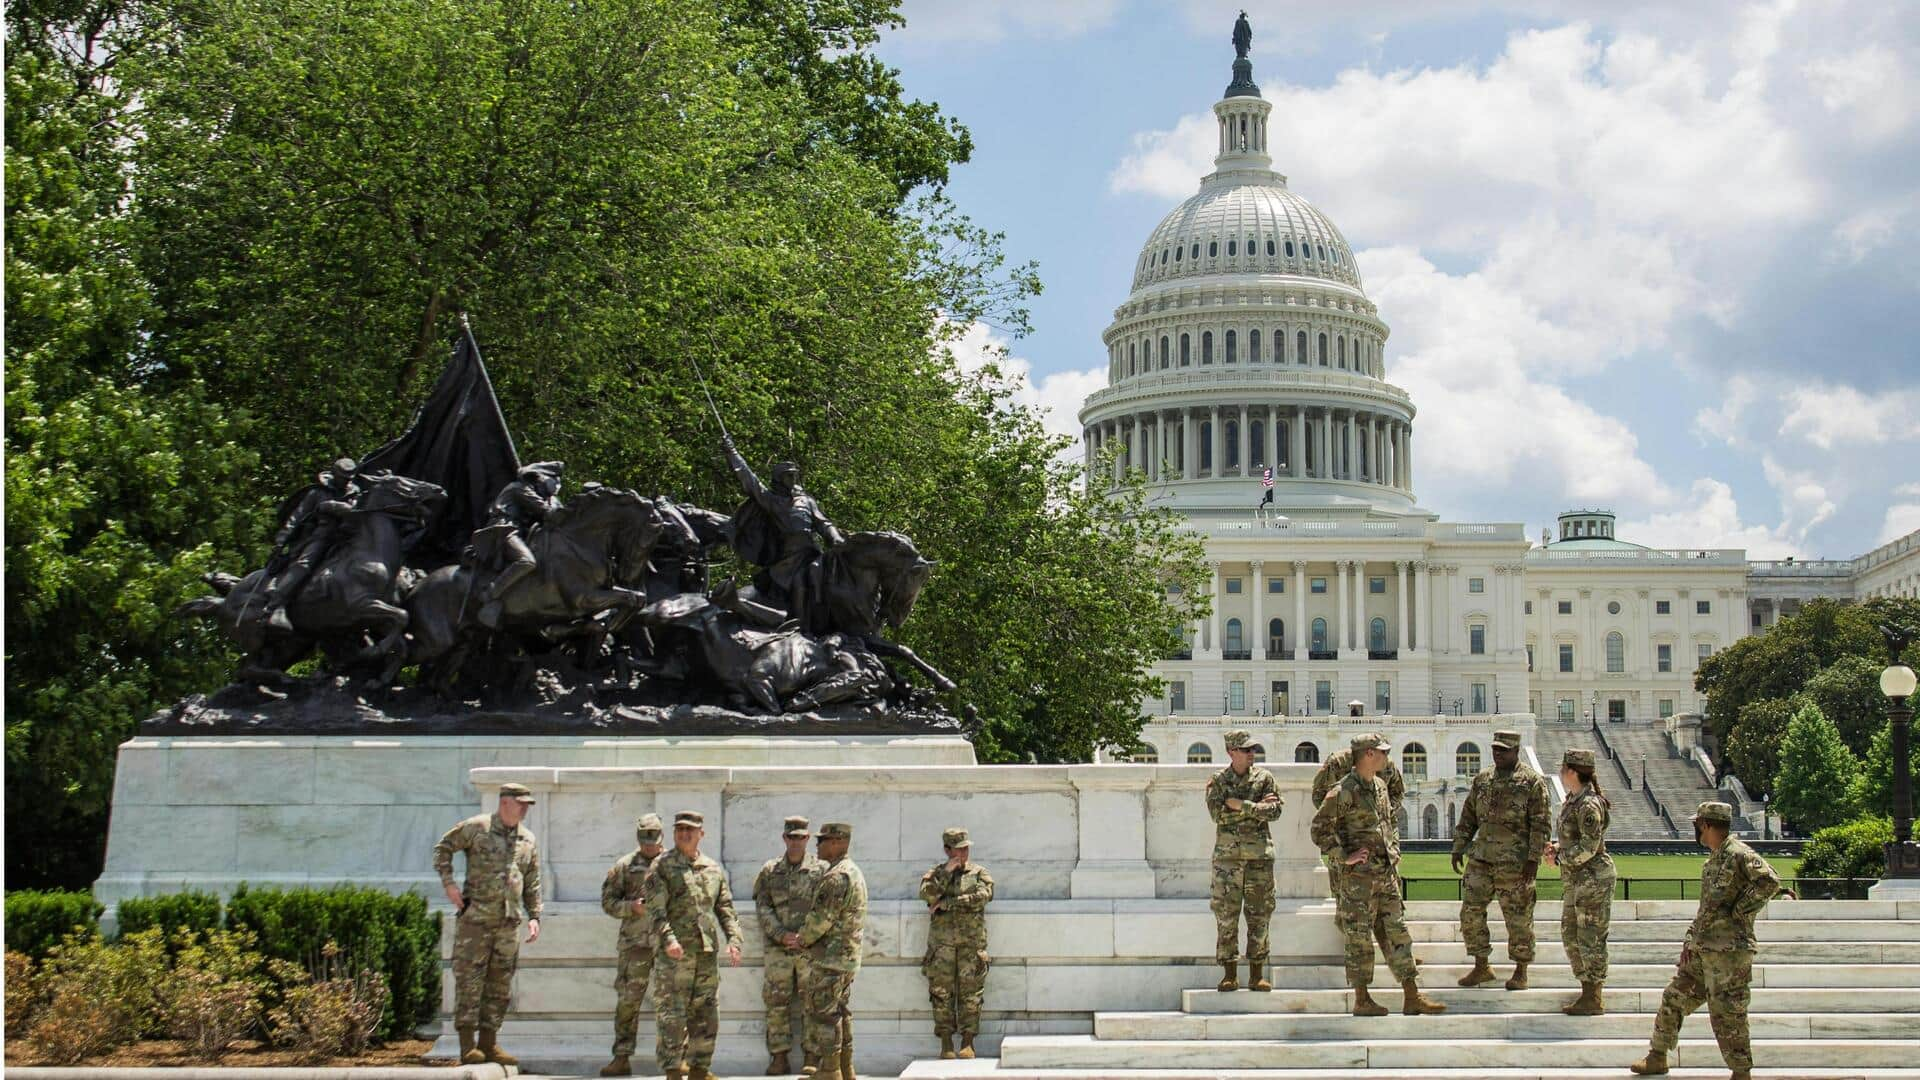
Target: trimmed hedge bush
x=395 y=936
x=37 y=921
x=1852 y=850
x=197 y=912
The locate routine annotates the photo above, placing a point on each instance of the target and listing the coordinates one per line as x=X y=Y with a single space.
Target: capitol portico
x=1247 y=343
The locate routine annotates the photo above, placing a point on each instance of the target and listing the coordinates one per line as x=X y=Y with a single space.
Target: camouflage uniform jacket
x=1735 y=885
x=617 y=894
x=1340 y=764
x=1245 y=833
x=783 y=895
x=963 y=897
x=1357 y=814
x=831 y=934
x=689 y=901
x=1583 y=832
x=1505 y=818
x=503 y=869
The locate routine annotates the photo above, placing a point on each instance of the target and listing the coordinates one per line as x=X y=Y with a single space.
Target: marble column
x=1246 y=461
x=1400 y=591
x=1408 y=439
x=1423 y=602
x=1217 y=446
x=1352 y=448
x=1297 y=443
x=1342 y=568
x=1257 y=639
x=1189 y=446
x=1219 y=601
x=1301 y=639
x=1360 y=639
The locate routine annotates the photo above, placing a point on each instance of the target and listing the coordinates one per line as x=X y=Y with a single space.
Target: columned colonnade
x=1323 y=442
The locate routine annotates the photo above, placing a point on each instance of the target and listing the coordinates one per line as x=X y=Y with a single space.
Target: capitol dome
x=1247 y=344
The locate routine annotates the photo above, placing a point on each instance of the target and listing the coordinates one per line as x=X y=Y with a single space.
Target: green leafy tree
x=1872 y=791
x=1848 y=693
x=1753 y=749
x=1813 y=787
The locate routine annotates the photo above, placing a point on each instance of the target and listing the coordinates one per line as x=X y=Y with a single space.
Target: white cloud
x=1871 y=87
x=1723 y=423
x=947 y=22
x=1827 y=415
x=1710 y=518
x=1057 y=396
x=1901 y=519
x=1804 y=500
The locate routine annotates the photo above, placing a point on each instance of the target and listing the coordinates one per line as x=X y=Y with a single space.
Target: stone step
x=1087 y=1052
x=1524 y=1026
x=985 y=1068
x=1675 y=930
x=1624 y=976
x=1683 y=910
x=1548 y=1000
x=1667 y=952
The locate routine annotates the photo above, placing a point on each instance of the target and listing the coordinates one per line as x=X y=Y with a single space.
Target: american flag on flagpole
x=1266 y=481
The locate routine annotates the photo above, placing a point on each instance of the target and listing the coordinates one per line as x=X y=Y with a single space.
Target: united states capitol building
x=1248 y=343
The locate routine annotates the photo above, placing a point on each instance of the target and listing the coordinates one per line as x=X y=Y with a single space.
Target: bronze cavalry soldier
x=501 y=888
x=1502 y=833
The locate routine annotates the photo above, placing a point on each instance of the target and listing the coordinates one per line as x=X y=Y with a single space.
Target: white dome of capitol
x=1245 y=223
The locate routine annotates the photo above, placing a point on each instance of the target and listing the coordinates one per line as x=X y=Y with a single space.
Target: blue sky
x=1663 y=258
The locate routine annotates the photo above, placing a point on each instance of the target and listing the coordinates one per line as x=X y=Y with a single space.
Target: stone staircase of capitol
x=1836 y=992
x=1676 y=782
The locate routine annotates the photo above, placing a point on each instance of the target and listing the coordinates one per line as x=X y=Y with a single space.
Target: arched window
x=1257 y=441
x=1323 y=350
x=1206 y=347
x=1259 y=755
x=1148 y=756
x=1206 y=444
x=1233 y=444
x=1319 y=635
x=1413 y=761
x=1236 y=638
x=1377 y=635
x=1276 y=637
x=1198 y=754
x=1253 y=346
x=1231 y=248
x=1163 y=353
x=1186 y=350
x=1233 y=348
x=1400 y=818
x=1453 y=817
x=1177 y=253
x=1343 y=350
x=1300 y=347
x=1213 y=249
x=1466 y=760
x=1306 y=754
x=1430 y=822
x=1322 y=249
x=1133 y=354
x=1616 y=653
x=1289 y=247
x=1269 y=249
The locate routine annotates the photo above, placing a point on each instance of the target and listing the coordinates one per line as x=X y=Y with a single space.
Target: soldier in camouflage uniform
x=1586 y=872
x=831 y=936
x=956 y=893
x=1354 y=827
x=1716 y=963
x=1243 y=799
x=502 y=886
x=782 y=897
x=1503 y=832
x=620 y=898
x=690 y=908
x=1334 y=770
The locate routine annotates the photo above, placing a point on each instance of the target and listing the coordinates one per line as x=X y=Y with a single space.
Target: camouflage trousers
x=956 y=983
x=1720 y=979
x=686 y=1009
x=1335 y=875
x=829 y=1019
x=1484 y=881
x=1586 y=913
x=786 y=977
x=630 y=995
x=1242 y=884
x=1370 y=908
x=484 y=956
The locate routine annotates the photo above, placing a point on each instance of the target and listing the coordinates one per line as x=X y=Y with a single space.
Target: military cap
x=836 y=830
x=693 y=818
x=1579 y=759
x=1240 y=739
x=517 y=791
x=648 y=827
x=1508 y=739
x=955 y=838
x=1714 y=813
x=795 y=826
x=1372 y=740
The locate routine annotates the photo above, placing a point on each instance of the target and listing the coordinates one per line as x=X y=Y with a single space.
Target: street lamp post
x=1903 y=855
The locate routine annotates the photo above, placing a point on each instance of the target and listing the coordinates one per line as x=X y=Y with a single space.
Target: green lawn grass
x=1656 y=877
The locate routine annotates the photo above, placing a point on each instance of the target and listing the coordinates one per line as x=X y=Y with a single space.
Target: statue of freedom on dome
x=1242 y=36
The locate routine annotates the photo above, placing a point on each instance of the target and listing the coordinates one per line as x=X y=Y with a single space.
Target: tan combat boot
x=1588 y=1003
x=1417 y=1003
x=946 y=1048
x=489 y=1045
x=809 y=1065
x=846 y=1058
x=1519 y=980
x=1231 y=980
x=778 y=1065
x=1257 y=977
x=619 y=1066
x=698 y=1072
x=1654 y=1064
x=1481 y=973
x=468 y=1055
x=1740 y=1074
x=1364 y=1005
x=966 y=1047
